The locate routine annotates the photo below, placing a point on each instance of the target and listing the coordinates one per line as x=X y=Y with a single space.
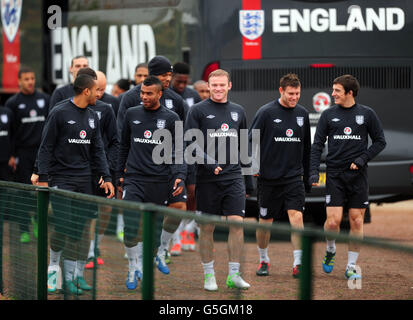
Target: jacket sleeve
x=320 y=138
x=307 y=153
x=111 y=132
x=124 y=147
x=98 y=153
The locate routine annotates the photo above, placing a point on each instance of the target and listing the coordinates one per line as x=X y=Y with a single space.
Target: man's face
x=140 y=75
x=339 y=94
x=219 y=87
x=116 y=91
x=78 y=64
x=179 y=82
x=290 y=96
x=101 y=87
x=202 y=90
x=150 y=96
x=165 y=79
x=27 y=82
x=92 y=94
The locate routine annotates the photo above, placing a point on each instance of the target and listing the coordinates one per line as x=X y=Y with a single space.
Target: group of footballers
x=91 y=144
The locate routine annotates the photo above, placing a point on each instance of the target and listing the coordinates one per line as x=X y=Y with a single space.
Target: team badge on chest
x=160 y=124
x=4 y=118
x=300 y=121
x=234 y=116
x=360 y=119
x=40 y=103
x=92 y=123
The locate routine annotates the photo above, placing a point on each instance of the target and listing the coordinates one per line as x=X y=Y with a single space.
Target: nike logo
x=71 y=122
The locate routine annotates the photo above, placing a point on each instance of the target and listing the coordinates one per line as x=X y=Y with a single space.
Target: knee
x=178 y=205
x=332 y=224
x=356 y=222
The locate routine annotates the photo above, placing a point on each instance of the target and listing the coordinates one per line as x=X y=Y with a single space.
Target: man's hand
x=34 y=179
x=313 y=180
x=119 y=185
x=12 y=163
x=178 y=187
x=358 y=163
x=217 y=170
x=109 y=188
x=353 y=166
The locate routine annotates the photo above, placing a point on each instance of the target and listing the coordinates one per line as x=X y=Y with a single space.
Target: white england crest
x=40 y=103
x=11 y=11
x=4 y=118
x=169 y=103
x=160 y=124
x=300 y=121
x=234 y=116
x=360 y=119
x=92 y=123
x=251 y=23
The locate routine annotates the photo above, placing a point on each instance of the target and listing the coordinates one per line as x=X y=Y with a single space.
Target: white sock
x=132 y=257
x=91 y=253
x=352 y=258
x=331 y=246
x=191 y=226
x=208 y=268
x=80 y=267
x=233 y=268
x=70 y=268
x=54 y=259
x=263 y=255
x=176 y=238
x=297 y=257
x=165 y=238
x=120 y=224
x=139 y=257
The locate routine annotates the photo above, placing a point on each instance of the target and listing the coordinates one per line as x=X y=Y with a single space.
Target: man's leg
x=206 y=247
x=356 y=218
x=332 y=224
x=296 y=222
x=263 y=238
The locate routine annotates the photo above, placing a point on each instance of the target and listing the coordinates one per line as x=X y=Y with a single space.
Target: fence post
x=148 y=249
x=2 y=213
x=42 y=212
x=306 y=268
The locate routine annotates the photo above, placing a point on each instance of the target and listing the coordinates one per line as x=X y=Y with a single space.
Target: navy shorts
x=223 y=198
x=182 y=197
x=348 y=188
x=275 y=200
x=70 y=215
x=145 y=192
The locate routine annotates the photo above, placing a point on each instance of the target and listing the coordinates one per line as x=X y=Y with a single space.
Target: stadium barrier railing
x=17 y=199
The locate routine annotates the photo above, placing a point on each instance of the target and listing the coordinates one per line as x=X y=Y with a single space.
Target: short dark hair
x=78 y=57
x=88 y=71
x=152 y=80
x=348 y=82
x=24 y=70
x=124 y=84
x=141 y=65
x=82 y=82
x=290 y=80
x=181 y=68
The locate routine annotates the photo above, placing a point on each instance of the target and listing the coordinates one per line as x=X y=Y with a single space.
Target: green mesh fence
x=73 y=220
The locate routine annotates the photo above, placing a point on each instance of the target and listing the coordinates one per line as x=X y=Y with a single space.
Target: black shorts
x=182 y=197
x=225 y=197
x=275 y=200
x=70 y=215
x=348 y=188
x=191 y=175
x=6 y=172
x=25 y=165
x=145 y=192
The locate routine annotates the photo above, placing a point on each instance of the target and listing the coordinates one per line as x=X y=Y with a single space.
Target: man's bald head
x=101 y=84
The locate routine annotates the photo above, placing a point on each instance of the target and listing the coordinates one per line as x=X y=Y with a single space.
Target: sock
x=297 y=257
x=352 y=258
x=80 y=267
x=132 y=257
x=54 y=257
x=208 y=268
x=120 y=224
x=70 y=267
x=331 y=246
x=191 y=226
x=176 y=238
x=139 y=257
x=233 y=268
x=91 y=253
x=263 y=255
x=165 y=238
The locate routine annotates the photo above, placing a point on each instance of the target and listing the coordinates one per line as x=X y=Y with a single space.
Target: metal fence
x=19 y=202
